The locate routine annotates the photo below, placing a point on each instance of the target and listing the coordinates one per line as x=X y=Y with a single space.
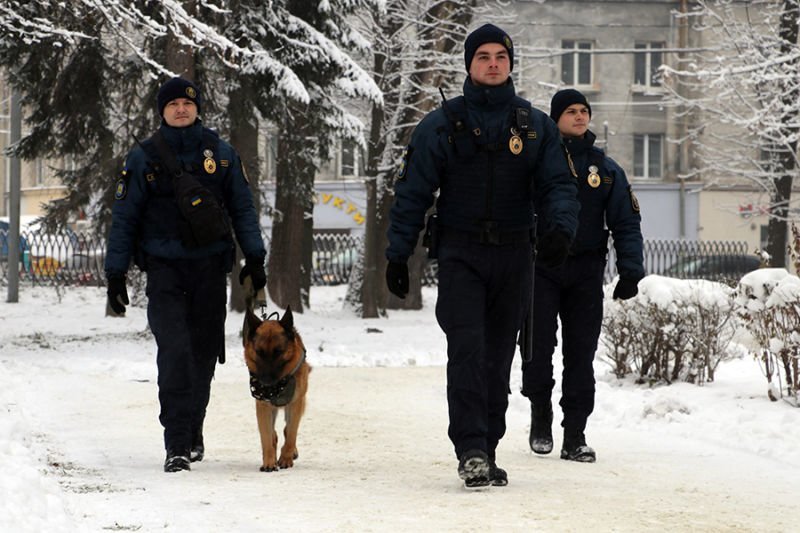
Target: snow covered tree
x=743 y=93
x=416 y=49
x=307 y=130
x=88 y=71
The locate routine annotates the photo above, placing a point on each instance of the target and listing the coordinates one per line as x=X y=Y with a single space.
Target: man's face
x=180 y=113
x=574 y=121
x=490 y=65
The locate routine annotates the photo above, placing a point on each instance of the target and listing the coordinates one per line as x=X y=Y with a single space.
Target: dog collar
x=278 y=393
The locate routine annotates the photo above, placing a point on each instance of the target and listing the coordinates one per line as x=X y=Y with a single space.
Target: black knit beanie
x=488 y=33
x=565 y=98
x=178 y=88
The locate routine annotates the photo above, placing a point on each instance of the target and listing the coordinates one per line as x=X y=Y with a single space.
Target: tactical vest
x=162 y=218
x=485 y=186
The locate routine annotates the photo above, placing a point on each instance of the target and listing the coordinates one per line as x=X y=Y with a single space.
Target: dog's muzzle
x=279 y=392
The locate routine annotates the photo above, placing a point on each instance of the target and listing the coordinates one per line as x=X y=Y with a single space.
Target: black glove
x=117 y=294
x=625 y=289
x=254 y=268
x=397 y=279
x=553 y=248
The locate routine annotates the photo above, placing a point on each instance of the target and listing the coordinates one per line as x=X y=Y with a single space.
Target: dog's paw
x=286 y=462
x=272 y=468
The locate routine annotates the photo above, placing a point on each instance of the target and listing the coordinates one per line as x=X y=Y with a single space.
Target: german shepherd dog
x=276 y=359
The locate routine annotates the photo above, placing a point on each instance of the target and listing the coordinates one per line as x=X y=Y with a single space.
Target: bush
x=768 y=303
x=672 y=330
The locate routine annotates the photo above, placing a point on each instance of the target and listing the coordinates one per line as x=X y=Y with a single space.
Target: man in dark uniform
x=177 y=196
x=489 y=154
x=574 y=290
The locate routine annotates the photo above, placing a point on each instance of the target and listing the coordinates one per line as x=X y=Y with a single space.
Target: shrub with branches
x=768 y=302
x=673 y=330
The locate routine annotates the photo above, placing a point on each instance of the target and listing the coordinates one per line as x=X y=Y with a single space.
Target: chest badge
x=515 y=142
x=594 y=178
x=209 y=165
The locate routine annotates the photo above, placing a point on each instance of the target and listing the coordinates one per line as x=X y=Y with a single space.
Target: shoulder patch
x=401 y=172
x=244 y=173
x=122 y=189
x=634 y=200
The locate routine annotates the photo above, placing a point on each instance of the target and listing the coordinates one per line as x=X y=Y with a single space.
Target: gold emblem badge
x=210 y=165
x=515 y=145
x=190 y=92
x=594 y=177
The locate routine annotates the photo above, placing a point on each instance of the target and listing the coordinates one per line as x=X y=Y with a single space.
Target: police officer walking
x=489 y=154
x=174 y=204
x=574 y=290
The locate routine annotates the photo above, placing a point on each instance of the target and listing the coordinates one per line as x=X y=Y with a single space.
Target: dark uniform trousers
x=576 y=289
x=483 y=293
x=186 y=312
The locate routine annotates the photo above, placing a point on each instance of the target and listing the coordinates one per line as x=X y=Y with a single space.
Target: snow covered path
x=81 y=408
x=374 y=457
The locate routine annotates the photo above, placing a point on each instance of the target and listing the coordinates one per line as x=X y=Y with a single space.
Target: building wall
x=734 y=214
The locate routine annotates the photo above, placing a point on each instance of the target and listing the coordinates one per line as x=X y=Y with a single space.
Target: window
x=576 y=67
x=352 y=159
x=646 y=63
x=647 y=160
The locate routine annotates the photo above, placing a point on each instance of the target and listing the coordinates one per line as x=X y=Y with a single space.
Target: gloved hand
x=553 y=248
x=625 y=289
x=397 y=279
x=117 y=294
x=254 y=267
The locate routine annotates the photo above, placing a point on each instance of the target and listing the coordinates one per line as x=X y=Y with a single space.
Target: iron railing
x=76 y=258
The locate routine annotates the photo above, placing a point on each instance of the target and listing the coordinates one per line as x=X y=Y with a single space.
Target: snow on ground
x=81 y=448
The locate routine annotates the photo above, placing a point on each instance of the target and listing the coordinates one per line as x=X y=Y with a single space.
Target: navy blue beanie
x=178 y=88
x=565 y=98
x=488 y=33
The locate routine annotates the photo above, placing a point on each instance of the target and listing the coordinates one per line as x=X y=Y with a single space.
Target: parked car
x=715 y=267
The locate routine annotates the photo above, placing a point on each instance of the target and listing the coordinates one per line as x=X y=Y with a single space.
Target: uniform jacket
x=488 y=184
x=145 y=214
x=607 y=204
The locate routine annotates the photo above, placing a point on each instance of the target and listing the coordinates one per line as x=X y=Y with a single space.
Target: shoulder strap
x=462 y=138
x=165 y=154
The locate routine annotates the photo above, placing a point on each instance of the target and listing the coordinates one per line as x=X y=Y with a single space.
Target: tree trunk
x=293 y=209
x=244 y=138
x=180 y=58
x=782 y=192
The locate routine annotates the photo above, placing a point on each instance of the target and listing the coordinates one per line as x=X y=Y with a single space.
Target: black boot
x=177 y=460
x=541 y=436
x=497 y=476
x=198 y=450
x=575 y=448
x=473 y=468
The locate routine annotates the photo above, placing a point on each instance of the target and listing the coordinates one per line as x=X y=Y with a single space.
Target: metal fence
x=76 y=258
x=725 y=261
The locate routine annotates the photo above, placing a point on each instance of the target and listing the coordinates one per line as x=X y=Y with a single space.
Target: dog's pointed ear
x=251 y=323
x=287 y=321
